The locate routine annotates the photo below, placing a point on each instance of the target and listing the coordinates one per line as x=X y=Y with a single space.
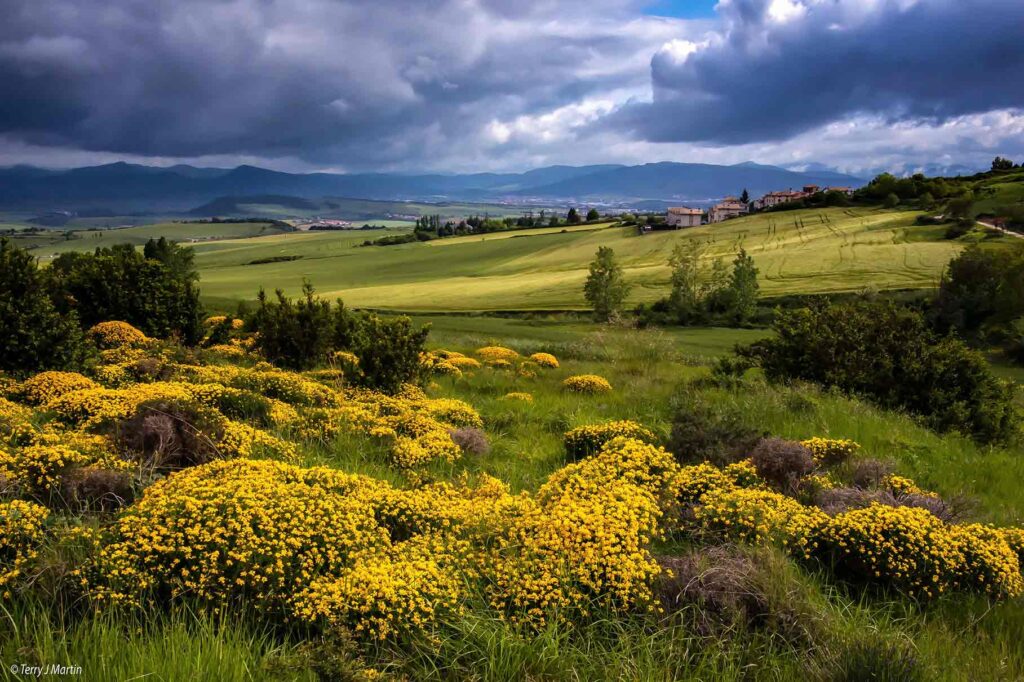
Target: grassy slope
x=49 y=243
x=957 y=638
x=834 y=250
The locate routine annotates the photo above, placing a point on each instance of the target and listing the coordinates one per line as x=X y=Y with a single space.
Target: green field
x=809 y=251
x=51 y=243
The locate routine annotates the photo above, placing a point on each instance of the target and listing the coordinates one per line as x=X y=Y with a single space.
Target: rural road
x=1018 y=235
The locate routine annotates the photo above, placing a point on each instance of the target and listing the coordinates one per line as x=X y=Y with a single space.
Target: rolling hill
x=809 y=251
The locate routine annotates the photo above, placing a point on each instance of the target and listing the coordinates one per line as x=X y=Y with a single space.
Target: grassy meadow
x=815 y=627
x=810 y=251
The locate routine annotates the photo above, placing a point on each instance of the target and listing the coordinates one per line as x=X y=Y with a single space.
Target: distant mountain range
x=127 y=187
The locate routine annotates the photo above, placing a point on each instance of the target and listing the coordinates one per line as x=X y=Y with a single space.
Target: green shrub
x=155 y=293
x=701 y=432
x=306 y=333
x=889 y=355
x=34 y=335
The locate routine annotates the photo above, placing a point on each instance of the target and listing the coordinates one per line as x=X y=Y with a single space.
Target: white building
x=684 y=216
x=730 y=207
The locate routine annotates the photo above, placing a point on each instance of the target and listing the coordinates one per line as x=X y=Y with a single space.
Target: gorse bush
x=309 y=332
x=584 y=441
x=888 y=355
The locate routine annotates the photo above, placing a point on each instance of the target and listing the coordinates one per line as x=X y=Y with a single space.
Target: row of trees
x=43 y=311
x=434 y=227
x=700 y=294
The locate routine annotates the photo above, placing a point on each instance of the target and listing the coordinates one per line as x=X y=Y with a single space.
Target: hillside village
x=734 y=207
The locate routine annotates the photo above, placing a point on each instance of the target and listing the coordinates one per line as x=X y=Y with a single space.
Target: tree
x=179 y=260
x=743 y=288
x=685 y=298
x=891 y=200
x=745 y=196
x=593 y=215
x=572 y=217
x=606 y=288
x=33 y=335
x=960 y=207
x=1001 y=164
x=554 y=221
x=158 y=295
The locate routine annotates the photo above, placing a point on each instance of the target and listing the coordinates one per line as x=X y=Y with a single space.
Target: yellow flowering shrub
x=243 y=440
x=464 y=363
x=584 y=441
x=454 y=412
x=518 y=395
x=990 y=564
x=650 y=468
x=1015 y=540
x=587 y=383
x=229 y=350
x=46 y=386
x=381 y=595
x=545 y=360
x=494 y=353
x=258 y=529
x=906 y=547
x=743 y=474
x=577 y=551
x=830 y=450
x=115 y=334
x=759 y=516
x=901 y=485
x=693 y=482
x=40 y=467
x=14 y=418
x=21 y=532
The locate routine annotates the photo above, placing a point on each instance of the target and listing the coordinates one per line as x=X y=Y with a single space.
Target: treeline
x=954 y=198
x=432 y=227
x=43 y=311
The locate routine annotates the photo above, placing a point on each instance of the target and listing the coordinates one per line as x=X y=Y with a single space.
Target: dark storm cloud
x=338 y=81
x=780 y=67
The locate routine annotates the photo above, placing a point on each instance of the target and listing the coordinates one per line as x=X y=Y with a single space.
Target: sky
x=508 y=85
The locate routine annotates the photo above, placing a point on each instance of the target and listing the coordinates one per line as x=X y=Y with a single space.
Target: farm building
x=730 y=207
x=684 y=216
x=775 y=198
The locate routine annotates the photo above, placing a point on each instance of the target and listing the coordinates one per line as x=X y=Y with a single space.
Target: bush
x=584 y=441
x=471 y=441
x=310 y=332
x=704 y=433
x=782 y=463
x=34 y=335
x=170 y=436
x=723 y=588
x=587 y=383
x=155 y=292
x=888 y=355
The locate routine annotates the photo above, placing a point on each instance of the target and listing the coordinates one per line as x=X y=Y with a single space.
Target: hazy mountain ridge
x=135 y=187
